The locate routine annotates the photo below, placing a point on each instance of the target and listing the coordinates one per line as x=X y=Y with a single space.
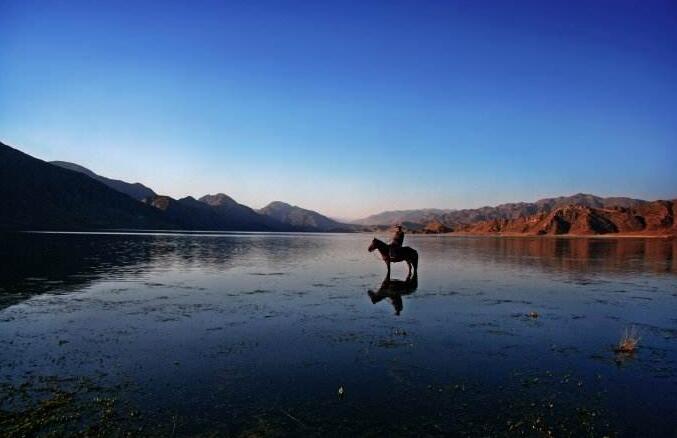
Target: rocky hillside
x=136 y=190
x=654 y=218
x=460 y=218
x=574 y=215
x=436 y=227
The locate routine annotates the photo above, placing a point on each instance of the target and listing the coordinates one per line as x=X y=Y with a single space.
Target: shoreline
x=551 y=236
x=379 y=232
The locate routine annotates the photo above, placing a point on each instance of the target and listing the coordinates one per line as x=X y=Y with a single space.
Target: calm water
x=253 y=334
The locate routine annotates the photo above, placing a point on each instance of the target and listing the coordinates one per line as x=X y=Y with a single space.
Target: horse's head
x=373 y=245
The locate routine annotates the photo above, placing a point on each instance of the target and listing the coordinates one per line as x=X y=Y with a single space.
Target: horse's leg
x=388 y=265
x=409 y=265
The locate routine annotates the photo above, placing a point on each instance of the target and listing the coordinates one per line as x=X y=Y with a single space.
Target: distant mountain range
x=392 y=217
x=37 y=195
x=215 y=212
x=503 y=211
x=60 y=195
x=303 y=219
x=653 y=218
x=580 y=214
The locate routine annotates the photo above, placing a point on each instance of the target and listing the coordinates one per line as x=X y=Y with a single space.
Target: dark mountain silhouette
x=187 y=213
x=136 y=190
x=238 y=216
x=214 y=212
x=65 y=196
x=36 y=195
x=301 y=218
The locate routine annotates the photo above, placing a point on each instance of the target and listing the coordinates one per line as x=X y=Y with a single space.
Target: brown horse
x=405 y=254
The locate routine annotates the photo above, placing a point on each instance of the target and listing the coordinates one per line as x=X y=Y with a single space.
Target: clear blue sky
x=349 y=108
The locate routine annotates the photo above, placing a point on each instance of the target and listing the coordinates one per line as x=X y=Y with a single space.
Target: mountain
x=211 y=212
x=436 y=227
x=580 y=214
x=301 y=218
x=214 y=212
x=136 y=190
x=654 y=218
x=459 y=218
x=240 y=217
x=66 y=196
x=454 y=218
x=37 y=195
x=187 y=213
x=219 y=200
x=399 y=216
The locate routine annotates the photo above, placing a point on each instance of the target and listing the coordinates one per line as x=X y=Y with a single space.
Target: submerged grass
x=629 y=341
x=48 y=406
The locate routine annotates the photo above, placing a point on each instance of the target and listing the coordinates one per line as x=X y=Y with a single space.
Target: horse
x=404 y=254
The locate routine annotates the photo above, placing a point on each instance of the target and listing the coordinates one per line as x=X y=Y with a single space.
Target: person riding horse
x=396 y=243
x=395 y=252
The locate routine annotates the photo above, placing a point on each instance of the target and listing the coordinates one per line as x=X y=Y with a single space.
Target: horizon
x=350 y=111
x=347 y=219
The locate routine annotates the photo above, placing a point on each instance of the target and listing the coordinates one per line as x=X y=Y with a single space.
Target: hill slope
x=39 y=196
x=136 y=190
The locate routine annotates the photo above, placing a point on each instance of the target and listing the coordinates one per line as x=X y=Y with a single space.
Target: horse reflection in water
x=394 y=290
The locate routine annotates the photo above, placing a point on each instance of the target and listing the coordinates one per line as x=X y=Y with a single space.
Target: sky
x=349 y=108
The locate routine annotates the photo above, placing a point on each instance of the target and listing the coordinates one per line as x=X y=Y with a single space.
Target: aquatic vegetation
x=60 y=407
x=629 y=342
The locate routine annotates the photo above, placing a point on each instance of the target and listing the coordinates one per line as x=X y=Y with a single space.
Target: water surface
x=254 y=334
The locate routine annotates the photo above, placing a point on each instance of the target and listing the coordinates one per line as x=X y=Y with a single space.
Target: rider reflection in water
x=394 y=290
x=397 y=242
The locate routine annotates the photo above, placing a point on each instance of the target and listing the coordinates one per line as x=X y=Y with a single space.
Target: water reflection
x=394 y=290
x=34 y=264
x=577 y=255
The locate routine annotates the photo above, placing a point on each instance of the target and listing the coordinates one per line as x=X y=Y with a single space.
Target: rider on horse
x=396 y=243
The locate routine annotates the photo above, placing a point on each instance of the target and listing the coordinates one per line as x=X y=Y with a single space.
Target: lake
x=251 y=334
